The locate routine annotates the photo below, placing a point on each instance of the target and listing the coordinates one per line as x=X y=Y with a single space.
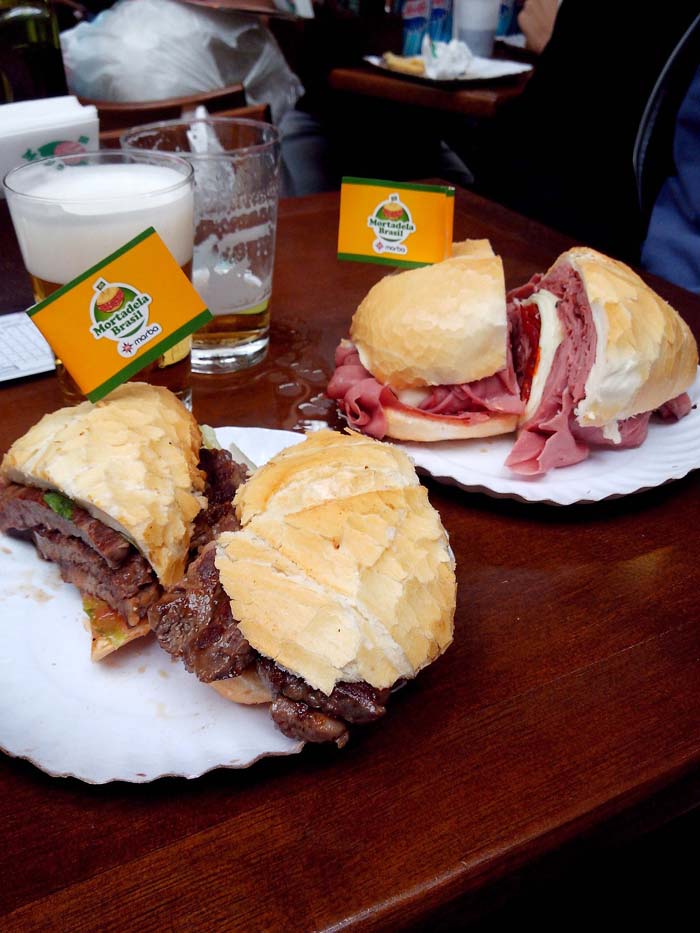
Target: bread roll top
x=645 y=354
x=328 y=465
x=342 y=571
x=129 y=460
x=443 y=324
x=474 y=249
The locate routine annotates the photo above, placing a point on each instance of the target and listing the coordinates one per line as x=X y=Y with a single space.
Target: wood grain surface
x=569 y=699
x=481 y=99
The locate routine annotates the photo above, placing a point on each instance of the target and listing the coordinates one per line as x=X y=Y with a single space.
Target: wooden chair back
x=109 y=138
x=122 y=115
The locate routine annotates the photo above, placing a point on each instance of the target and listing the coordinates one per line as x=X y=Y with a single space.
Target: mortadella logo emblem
x=392 y=223
x=120 y=313
x=57 y=148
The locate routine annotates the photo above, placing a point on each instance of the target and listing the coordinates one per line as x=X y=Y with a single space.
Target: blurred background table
x=526 y=767
x=480 y=100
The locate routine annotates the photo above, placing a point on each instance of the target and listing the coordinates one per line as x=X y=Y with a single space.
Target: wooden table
x=479 y=100
x=568 y=704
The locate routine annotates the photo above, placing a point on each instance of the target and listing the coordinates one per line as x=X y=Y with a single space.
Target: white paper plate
x=480 y=69
x=516 y=41
x=135 y=716
x=670 y=451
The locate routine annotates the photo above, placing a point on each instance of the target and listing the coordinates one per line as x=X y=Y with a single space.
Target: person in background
x=325 y=137
x=672 y=245
x=536 y=22
x=561 y=152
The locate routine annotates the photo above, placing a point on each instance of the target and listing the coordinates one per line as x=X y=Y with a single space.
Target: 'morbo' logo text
x=120 y=313
x=392 y=224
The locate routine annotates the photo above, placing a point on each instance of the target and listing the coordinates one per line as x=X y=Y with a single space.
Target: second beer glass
x=236 y=164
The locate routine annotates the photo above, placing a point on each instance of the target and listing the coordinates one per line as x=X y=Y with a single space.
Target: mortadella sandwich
x=596 y=351
x=429 y=355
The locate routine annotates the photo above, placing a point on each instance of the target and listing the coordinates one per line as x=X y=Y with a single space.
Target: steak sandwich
x=429 y=354
x=120 y=495
x=339 y=586
x=597 y=352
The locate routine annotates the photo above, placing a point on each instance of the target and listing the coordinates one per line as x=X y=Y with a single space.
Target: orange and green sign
x=395 y=223
x=120 y=315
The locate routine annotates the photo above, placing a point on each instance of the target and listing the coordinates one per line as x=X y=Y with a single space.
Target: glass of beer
x=236 y=164
x=70 y=213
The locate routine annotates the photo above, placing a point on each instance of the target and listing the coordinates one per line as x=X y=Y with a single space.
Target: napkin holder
x=52 y=126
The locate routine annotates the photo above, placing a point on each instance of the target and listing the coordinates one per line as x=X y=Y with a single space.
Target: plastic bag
x=155 y=49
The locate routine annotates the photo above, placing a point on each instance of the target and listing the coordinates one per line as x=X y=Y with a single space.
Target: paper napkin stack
x=52 y=126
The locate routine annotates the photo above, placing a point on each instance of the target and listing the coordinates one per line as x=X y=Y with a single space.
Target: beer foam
x=88 y=212
x=83 y=189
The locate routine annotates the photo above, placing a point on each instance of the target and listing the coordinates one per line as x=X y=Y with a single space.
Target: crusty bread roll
x=342 y=570
x=476 y=249
x=246 y=689
x=443 y=324
x=645 y=354
x=130 y=460
x=307 y=474
x=401 y=425
x=102 y=645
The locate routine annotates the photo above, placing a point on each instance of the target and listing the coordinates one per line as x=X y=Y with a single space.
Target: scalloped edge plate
x=136 y=716
x=670 y=452
x=480 y=70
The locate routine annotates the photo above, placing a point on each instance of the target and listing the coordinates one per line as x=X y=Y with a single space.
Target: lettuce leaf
x=60 y=504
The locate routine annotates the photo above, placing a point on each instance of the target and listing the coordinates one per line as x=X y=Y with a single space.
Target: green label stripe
x=256 y=309
x=35 y=309
x=149 y=356
x=403 y=185
x=381 y=261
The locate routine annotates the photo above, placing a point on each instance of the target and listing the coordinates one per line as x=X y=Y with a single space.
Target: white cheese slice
x=551 y=335
x=412 y=397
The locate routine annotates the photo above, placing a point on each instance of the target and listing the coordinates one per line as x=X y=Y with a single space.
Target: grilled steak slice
x=193 y=622
x=129 y=590
x=223 y=477
x=23 y=508
x=297 y=721
x=354 y=702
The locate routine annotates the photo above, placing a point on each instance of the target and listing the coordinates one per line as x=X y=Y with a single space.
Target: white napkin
x=53 y=126
x=201 y=136
x=445 y=60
